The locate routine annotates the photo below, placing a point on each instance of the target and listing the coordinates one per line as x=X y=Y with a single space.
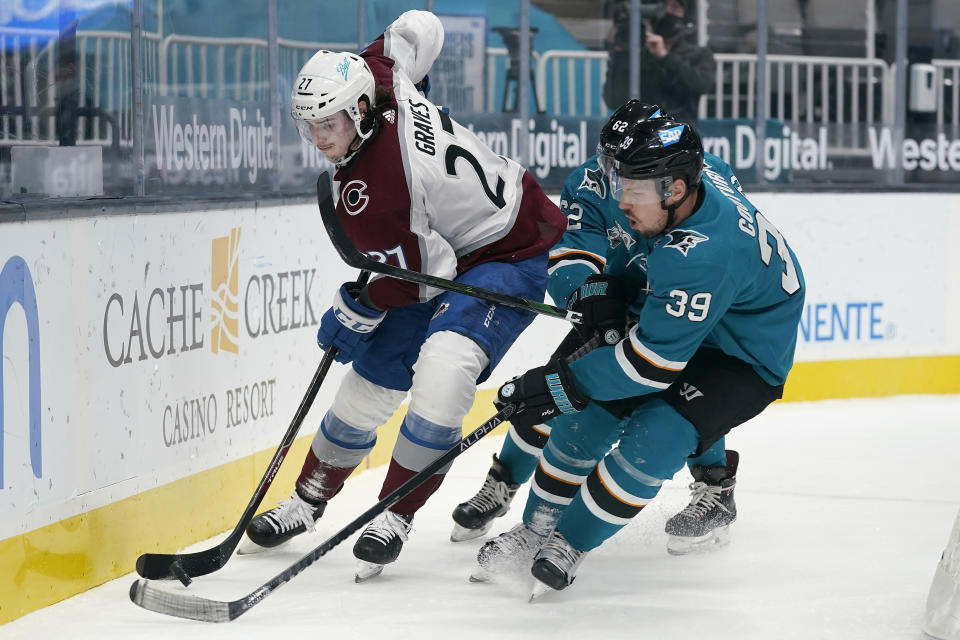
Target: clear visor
x=630 y=191
x=605 y=161
x=312 y=131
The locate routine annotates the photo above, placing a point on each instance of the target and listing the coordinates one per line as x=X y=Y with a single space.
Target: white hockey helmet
x=328 y=83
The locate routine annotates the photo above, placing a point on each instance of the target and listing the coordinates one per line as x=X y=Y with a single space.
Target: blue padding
x=343 y=435
x=394 y=348
x=494 y=327
x=389 y=357
x=424 y=433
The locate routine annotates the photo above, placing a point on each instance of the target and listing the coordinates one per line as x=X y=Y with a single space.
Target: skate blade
x=367 y=571
x=538 y=590
x=462 y=534
x=682 y=546
x=248 y=547
x=481 y=575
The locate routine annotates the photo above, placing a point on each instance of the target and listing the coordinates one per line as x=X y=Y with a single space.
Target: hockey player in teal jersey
x=714 y=341
x=599 y=248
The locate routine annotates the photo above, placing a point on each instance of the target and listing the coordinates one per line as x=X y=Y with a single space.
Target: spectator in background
x=674 y=70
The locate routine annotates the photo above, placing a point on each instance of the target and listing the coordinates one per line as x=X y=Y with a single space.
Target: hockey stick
x=145 y=594
x=184 y=566
x=355 y=258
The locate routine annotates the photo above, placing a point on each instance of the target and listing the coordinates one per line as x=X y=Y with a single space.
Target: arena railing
x=580 y=91
x=20 y=85
x=947 y=81
x=803 y=91
x=847 y=95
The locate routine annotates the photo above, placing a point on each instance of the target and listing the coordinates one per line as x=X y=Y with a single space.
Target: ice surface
x=844 y=510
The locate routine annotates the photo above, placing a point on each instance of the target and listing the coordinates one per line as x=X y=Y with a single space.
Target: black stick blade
x=155 y=566
x=159 y=566
x=144 y=594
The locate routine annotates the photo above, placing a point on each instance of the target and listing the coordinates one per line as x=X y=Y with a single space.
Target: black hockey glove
x=574 y=346
x=541 y=394
x=603 y=300
x=569 y=345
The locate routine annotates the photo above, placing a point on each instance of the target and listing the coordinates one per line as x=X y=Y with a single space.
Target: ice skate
x=380 y=544
x=274 y=527
x=704 y=524
x=474 y=517
x=555 y=565
x=509 y=551
x=538 y=590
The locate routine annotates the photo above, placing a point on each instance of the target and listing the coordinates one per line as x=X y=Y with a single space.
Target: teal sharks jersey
x=724 y=278
x=598 y=238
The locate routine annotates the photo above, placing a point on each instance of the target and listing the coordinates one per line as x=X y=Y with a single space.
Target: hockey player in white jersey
x=417 y=190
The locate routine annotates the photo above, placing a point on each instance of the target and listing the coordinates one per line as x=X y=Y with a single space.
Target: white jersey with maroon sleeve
x=425 y=193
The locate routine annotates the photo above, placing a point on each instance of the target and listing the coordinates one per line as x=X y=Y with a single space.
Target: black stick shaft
x=355 y=258
x=157 y=566
x=186 y=605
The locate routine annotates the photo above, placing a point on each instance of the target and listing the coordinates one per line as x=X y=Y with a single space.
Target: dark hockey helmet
x=660 y=148
x=630 y=113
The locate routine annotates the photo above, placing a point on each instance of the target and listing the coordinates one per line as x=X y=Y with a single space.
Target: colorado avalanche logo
x=353 y=197
x=683 y=240
x=593 y=180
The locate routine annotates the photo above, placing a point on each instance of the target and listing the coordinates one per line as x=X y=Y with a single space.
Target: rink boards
x=152 y=362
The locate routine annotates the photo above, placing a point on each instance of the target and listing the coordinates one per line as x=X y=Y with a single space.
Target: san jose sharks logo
x=617 y=235
x=640 y=260
x=593 y=180
x=683 y=240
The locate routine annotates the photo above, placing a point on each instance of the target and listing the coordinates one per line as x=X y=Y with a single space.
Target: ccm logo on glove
x=360 y=325
x=348 y=325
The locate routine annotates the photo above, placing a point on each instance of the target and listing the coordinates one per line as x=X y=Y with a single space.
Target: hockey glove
x=541 y=394
x=603 y=302
x=348 y=325
x=569 y=345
